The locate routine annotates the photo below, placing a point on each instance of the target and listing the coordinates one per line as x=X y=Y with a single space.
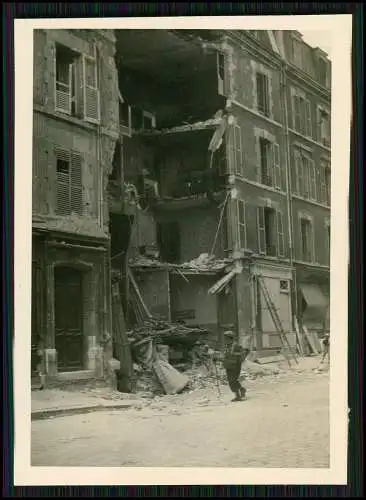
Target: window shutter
x=63 y=84
x=261 y=230
x=91 y=91
x=63 y=183
x=306 y=174
x=280 y=235
x=238 y=169
x=298 y=173
x=308 y=119
x=297 y=113
x=231 y=150
x=221 y=73
x=241 y=223
x=319 y=125
x=312 y=180
x=322 y=187
x=76 y=196
x=277 y=166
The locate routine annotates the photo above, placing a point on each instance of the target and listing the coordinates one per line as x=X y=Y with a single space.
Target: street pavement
x=283 y=423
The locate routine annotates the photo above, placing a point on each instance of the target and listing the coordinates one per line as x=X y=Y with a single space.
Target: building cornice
x=305 y=79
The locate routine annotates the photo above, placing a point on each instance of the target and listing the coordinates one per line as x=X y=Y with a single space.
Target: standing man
x=233 y=359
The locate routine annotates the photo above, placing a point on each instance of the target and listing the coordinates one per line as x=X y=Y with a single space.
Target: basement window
x=69 y=198
x=262 y=82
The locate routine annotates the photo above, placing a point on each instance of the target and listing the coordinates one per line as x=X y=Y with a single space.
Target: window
x=69 y=193
x=307 y=240
x=323 y=127
x=263 y=103
x=325 y=183
x=76 y=84
x=323 y=72
x=270 y=232
x=221 y=73
x=297 y=52
x=306 y=176
x=66 y=61
x=241 y=224
x=302 y=115
x=270 y=167
x=284 y=286
x=327 y=239
x=168 y=237
x=125 y=121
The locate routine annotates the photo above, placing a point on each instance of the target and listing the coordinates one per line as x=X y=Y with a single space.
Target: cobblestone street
x=283 y=423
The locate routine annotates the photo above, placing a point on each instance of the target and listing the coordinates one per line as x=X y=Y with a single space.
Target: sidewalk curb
x=77 y=410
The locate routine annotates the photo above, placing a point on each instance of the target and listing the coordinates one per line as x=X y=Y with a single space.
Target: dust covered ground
x=284 y=422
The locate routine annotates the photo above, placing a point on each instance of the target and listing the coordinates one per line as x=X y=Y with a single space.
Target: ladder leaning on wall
x=287 y=349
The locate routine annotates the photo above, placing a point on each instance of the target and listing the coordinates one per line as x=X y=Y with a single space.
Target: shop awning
x=314 y=297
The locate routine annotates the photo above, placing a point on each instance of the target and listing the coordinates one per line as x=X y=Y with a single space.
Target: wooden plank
x=270 y=359
x=299 y=337
x=139 y=296
x=310 y=340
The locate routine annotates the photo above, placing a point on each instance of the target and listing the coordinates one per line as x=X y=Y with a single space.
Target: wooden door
x=69 y=335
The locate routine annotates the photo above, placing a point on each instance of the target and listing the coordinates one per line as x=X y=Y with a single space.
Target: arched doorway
x=69 y=313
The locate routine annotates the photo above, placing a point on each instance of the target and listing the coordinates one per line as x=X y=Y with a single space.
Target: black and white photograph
x=181 y=250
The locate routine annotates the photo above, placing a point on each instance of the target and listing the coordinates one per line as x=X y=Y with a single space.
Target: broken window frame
x=307 y=254
x=241 y=224
x=72 y=186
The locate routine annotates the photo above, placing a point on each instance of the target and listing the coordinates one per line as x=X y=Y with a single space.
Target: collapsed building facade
x=195 y=164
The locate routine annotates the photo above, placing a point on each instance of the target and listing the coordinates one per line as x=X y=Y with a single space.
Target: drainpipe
x=288 y=178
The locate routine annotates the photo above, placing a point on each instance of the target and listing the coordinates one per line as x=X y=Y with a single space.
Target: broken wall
x=197 y=228
x=155 y=289
x=191 y=302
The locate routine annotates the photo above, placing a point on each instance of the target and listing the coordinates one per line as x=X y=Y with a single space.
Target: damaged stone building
x=195 y=164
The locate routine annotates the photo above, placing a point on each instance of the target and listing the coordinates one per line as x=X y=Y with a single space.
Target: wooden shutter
x=276 y=165
x=261 y=230
x=63 y=182
x=221 y=73
x=306 y=174
x=322 y=185
x=297 y=113
x=91 y=91
x=76 y=193
x=312 y=176
x=280 y=235
x=299 y=176
x=241 y=223
x=318 y=125
x=231 y=150
x=309 y=131
x=238 y=169
x=63 y=86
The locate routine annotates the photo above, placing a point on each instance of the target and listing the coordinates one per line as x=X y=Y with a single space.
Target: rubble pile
x=164 y=332
x=205 y=262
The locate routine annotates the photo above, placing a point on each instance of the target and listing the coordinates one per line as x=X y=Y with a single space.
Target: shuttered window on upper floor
x=302 y=116
x=270 y=227
x=76 y=84
x=69 y=188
